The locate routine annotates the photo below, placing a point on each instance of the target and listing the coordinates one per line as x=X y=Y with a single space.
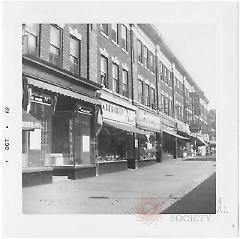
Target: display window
x=147 y=146
x=114 y=145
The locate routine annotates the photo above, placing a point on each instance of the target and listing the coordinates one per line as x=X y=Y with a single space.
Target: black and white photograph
x=120 y=119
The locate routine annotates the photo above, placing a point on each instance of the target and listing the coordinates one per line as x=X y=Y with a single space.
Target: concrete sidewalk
x=151 y=189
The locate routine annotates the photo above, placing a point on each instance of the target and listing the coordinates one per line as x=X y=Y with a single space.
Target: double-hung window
x=104 y=71
x=153 y=100
x=162 y=103
x=125 y=83
x=74 y=55
x=104 y=29
x=115 y=70
x=170 y=107
x=124 y=37
x=139 y=47
x=115 y=33
x=55 y=45
x=147 y=101
x=30 y=40
x=145 y=52
x=151 y=63
x=166 y=106
x=140 y=91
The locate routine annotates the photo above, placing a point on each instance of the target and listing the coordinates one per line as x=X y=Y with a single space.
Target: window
x=151 y=61
x=168 y=77
x=104 y=28
x=153 y=100
x=170 y=107
x=74 y=55
x=104 y=71
x=140 y=91
x=145 y=52
x=124 y=37
x=161 y=67
x=139 y=45
x=115 y=33
x=55 y=45
x=162 y=103
x=115 y=69
x=165 y=73
x=166 y=106
x=30 y=40
x=147 y=101
x=125 y=83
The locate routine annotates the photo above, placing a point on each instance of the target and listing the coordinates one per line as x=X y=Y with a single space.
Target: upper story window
x=145 y=52
x=104 y=29
x=104 y=71
x=151 y=61
x=124 y=37
x=168 y=77
x=30 y=39
x=165 y=72
x=166 y=109
x=162 y=103
x=170 y=107
x=115 y=33
x=139 y=47
x=125 y=83
x=153 y=100
x=115 y=69
x=147 y=95
x=55 y=45
x=140 y=91
x=74 y=57
x=161 y=67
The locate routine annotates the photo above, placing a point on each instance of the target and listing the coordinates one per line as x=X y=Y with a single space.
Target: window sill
x=125 y=51
x=115 y=43
x=104 y=34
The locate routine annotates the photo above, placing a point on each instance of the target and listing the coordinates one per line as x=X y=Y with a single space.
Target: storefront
x=184 y=147
x=116 y=137
x=149 y=141
x=66 y=108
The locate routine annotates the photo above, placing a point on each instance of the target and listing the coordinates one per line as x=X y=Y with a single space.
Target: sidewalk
x=122 y=192
x=201 y=158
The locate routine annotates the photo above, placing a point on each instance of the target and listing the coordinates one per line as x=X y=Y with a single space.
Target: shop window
x=147 y=147
x=139 y=45
x=140 y=91
x=115 y=33
x=145 y=52
x=153 y=100
x=30 y=39
x=125 y=83
x=115 y=69
x=104 y=71
x=55 y=45
x=147 y=95
x=104 y=29
x=124 y=37
x=74 y=55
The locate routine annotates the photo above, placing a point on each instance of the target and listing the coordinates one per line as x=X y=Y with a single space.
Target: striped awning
x=63 y=91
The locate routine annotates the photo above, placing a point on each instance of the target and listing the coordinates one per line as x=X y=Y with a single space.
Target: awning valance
x=122 y=126
x=174 y=134
x=63 y=91
x=29 y=122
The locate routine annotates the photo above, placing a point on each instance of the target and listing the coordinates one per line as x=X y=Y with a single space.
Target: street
x=151 y=189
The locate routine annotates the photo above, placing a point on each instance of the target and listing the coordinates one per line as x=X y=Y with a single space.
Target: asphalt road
x=201 y=200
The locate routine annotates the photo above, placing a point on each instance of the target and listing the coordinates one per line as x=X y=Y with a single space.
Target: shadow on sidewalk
x=201 y=200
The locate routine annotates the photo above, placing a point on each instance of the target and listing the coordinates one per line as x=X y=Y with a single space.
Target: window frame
x=116 y=32
x=124 y=40
x=105 y=83
x=147 y=95
x=78 y=53
x=140 y=51
x=127 y=85
x=103 y=30
x=140 y=93
x=115 y=80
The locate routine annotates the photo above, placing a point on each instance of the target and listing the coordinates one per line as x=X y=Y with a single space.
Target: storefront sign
x=148 y=120
x=118 y=113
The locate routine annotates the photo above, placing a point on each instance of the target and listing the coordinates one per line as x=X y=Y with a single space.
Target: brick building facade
x=108 y=97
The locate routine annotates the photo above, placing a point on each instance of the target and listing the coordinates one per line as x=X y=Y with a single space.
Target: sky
x=194 y=44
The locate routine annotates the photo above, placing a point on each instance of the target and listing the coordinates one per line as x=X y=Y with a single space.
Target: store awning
x=63 y=91
x=201 y=141
x=29 y=122
x=174 y=134
x=122 y=126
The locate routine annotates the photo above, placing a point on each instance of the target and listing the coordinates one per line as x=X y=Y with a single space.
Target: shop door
x=82 y=139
